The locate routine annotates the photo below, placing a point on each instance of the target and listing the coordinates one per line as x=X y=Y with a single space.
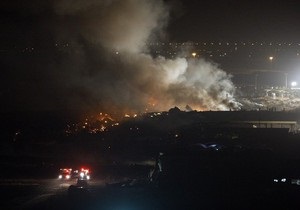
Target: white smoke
x=197 y=83
x=126 y=76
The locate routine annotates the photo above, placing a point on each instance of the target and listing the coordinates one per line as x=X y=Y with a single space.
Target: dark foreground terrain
x=188 y=179
x=174 y=160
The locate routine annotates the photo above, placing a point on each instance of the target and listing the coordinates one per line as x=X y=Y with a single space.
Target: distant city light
x=271 y=58
x=194 y=54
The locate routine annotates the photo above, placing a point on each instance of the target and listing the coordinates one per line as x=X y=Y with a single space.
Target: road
x=27 y=193
x=208 y=192
x=53 y=194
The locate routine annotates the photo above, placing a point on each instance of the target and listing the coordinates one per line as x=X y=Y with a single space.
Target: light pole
x=286 y=80
x=256 y=83
x=271 y=58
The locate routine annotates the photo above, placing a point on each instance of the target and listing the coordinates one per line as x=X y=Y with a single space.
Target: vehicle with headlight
x=65 y=173
x=84 y=174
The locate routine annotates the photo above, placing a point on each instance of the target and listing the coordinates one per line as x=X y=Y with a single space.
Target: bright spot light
x=275 y=180
x=60 y=176
x=68 y=177
x=194 y=54
x=271 y=58
x=81 y=174
x=283 y=180
x=294 y=84
x=87 y=177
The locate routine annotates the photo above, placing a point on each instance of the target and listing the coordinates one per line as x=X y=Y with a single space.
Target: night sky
x=236 y=20
x=193 y=20
x=89 y=55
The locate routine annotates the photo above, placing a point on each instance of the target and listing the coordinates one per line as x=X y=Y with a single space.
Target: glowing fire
x=103 y=122
x=94 y=124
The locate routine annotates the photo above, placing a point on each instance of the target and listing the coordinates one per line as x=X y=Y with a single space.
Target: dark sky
x=235 y=20
x=192 y=20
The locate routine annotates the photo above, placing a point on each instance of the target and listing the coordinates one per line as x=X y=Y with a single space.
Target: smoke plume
x=107 y=66
x=128 y=77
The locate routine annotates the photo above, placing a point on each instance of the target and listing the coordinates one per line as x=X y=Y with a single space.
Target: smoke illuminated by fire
x=117 y=74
